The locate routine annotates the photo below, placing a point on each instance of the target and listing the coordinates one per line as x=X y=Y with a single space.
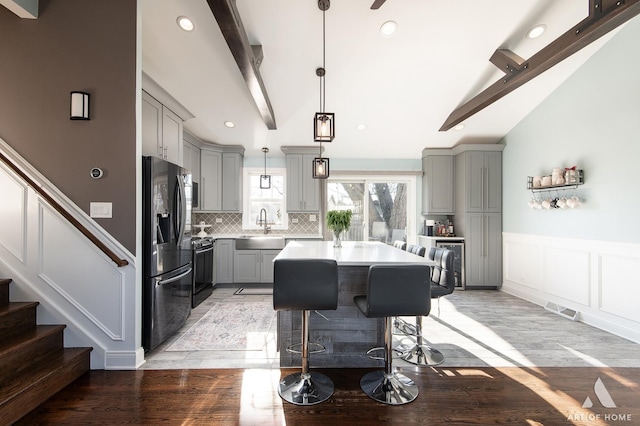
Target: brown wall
x=87 y=45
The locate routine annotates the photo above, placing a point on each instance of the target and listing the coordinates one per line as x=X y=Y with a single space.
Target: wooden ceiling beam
x=228 y=19
x=604 y=16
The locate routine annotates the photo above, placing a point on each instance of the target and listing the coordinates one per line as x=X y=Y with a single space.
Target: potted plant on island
x=338 y=221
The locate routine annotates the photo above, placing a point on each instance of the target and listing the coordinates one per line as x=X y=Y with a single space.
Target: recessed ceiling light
x=361 y=126
x=230 y=124
x=185 y=23
x=459 y=127
x=388 y=28
x=536 y=31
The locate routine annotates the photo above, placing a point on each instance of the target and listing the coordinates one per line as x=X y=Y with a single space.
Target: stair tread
x=48 y=367
x=16 y=306
x=22 y=339
x=21 y=395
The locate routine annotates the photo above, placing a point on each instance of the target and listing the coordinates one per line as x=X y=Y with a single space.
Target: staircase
x=34 y=364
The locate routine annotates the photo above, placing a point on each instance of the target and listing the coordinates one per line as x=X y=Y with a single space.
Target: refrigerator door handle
x=173 y=279
x=181 y=218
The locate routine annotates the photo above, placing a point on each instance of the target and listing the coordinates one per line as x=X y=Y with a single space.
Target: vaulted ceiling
x=401 y=88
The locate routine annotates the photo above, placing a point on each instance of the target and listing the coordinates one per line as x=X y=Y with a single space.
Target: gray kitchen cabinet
x=437 y=183
x=224 y=261
x=254 y=266
x=266 y=265
x=232 y=182
x=303 y=191
x=221 y=178
x=483 y=180
x=191 y=159
x=483 y=249
x=161 y=131
x=210 y=180
x=478 y=217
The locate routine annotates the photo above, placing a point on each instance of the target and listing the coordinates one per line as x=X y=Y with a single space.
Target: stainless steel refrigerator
x=167 y=264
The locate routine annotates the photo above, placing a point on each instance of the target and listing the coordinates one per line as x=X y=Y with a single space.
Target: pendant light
x=265 y=179
x=323 y=122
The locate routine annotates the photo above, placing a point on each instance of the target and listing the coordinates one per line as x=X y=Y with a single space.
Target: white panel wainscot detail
x=619 y=285
x=521 y=263
x=81 y=274
x=598 y=279
x=567 y=273
x=13 y=232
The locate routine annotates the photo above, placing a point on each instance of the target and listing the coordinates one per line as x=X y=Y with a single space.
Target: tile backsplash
x=232 y=224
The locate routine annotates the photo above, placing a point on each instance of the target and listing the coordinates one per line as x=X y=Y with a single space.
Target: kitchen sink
x=259 y=242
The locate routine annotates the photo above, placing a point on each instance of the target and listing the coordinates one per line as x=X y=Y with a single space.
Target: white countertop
x=434 y=237
x=352 y=253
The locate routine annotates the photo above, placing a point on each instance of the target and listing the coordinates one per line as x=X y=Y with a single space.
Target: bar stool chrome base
x=393 y=389
x=306 y=388
x=423 y=355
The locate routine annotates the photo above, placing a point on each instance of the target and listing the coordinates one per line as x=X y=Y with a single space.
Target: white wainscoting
x=51 y=262
x=599 y=279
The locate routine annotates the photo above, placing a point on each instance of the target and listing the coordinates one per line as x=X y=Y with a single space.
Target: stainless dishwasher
x=458 y=262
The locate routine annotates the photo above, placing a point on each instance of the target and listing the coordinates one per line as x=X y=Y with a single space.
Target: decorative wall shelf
x=571 y=182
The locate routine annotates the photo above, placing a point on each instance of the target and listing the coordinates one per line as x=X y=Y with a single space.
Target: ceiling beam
x=604 y=16
x=228 y=18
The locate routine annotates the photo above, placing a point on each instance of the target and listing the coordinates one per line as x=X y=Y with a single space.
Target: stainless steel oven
x=203 y=273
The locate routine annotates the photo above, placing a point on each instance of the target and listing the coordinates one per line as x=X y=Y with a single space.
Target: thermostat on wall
x=96 y=173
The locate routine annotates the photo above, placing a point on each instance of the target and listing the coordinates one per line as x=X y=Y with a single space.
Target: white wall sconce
x=79 y=106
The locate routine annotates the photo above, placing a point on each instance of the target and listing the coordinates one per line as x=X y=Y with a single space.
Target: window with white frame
x=272 y=200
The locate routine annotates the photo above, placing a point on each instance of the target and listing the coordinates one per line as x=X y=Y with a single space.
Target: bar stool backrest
x=305 y=284
x=402 y=245
x=442 y=275
x=415 y=249
x=398 y=290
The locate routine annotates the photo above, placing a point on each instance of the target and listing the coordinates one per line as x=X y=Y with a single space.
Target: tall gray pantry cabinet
x=479 y=213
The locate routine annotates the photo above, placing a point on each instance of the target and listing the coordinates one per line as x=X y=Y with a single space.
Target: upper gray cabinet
x=161 y=131
x=481 y=173
x=191 y=162
x=437 y=182
x=303 y=191
x=232 y=181
x=221 y=171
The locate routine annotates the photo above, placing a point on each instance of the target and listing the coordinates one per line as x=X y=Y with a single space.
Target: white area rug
x=229 y=327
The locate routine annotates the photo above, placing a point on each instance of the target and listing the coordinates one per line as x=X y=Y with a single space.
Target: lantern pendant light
x=323 y=122
x=265 y=179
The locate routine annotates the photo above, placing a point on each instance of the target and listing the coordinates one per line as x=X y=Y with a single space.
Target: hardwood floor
x=448 y=395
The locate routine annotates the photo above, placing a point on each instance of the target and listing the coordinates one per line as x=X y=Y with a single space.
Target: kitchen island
x=346 y=333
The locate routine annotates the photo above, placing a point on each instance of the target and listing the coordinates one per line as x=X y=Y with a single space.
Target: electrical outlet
x=294 y=220
x=218 y=220
x=101 y=210
x=312 y=218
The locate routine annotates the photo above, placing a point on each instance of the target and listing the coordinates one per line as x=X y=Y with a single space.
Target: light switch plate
x=312 y=218
x=101 y=210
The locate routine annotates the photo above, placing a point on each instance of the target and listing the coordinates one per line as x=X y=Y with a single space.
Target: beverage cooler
x=458 y=262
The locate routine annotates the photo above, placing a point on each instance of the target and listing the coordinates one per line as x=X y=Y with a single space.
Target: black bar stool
x=305 y=285
x=442 y=282
x=393 y=290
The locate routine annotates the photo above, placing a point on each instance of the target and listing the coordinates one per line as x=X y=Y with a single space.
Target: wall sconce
x=320 y=168
x=79 y=106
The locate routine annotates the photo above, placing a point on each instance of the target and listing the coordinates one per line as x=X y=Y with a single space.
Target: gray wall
x=87 y=45
x=591 y=121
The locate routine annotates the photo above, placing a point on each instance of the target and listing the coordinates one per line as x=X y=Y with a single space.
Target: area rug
x=260 y=291
x=229 y=327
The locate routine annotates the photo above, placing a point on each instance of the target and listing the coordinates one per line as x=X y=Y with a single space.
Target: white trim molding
x=598 y=279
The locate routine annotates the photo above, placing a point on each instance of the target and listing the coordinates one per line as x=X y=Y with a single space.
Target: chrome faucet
x=263 y=222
